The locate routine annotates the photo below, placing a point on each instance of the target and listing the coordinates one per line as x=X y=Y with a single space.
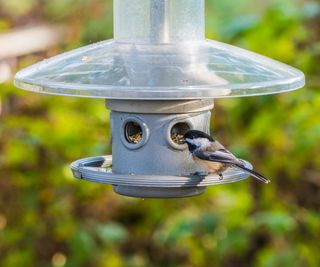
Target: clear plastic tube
x=160 y=21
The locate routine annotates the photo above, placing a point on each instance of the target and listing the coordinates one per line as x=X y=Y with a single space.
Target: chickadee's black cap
x=192 y=134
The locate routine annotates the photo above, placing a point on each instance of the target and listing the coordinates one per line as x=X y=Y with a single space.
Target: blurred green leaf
x=276 y=222
x=111 y=233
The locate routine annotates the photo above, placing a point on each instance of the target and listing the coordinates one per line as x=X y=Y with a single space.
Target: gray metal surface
x=99 y=170
x=155 y=154
x=148 y=192
x=160 y=106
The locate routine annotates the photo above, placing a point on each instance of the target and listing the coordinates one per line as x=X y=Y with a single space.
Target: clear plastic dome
x=159 y=55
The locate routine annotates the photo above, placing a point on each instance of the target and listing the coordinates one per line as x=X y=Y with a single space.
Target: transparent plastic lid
x=157 y=57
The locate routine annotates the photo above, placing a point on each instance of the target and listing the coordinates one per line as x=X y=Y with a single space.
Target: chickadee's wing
x=222 y=155
x=214 y=146
x=254 y=173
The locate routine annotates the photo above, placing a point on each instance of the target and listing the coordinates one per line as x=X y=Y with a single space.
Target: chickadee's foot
x=202 y=175
x=220 y=176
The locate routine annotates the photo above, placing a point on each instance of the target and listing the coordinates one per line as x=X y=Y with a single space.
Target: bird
x=213 y=157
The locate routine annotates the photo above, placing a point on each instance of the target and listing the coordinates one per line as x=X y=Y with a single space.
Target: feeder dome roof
x=159 y=52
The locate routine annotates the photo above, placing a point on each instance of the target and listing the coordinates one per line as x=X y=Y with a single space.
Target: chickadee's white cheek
x=200 y=142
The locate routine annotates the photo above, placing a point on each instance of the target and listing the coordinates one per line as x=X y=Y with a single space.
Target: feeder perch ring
x=98 y=169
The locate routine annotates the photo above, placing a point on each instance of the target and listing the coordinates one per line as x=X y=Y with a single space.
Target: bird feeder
x=159 y=77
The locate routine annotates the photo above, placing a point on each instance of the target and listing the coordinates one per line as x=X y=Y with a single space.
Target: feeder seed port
x=178 y=131
x=133 y=132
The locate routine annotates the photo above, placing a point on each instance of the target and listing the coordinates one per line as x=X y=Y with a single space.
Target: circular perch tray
x=98 y=169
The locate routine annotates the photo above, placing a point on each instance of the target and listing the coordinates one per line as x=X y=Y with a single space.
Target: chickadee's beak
x=182 y=140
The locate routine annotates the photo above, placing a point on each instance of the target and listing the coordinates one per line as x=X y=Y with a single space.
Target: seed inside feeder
x=177 y=138
x=178 y=131
x=133 y=132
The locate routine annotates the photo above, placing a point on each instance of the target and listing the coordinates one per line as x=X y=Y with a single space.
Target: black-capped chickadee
x=214 y=157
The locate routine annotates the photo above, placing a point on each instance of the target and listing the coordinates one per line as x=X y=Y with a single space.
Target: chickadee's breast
x=210 y=166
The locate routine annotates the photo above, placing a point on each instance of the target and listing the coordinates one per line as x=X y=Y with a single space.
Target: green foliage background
x=47 y=218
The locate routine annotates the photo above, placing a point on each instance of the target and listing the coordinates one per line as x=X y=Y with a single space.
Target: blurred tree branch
x=33 y=39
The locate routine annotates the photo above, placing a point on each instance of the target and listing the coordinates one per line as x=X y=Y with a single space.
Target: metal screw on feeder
x=159 y=76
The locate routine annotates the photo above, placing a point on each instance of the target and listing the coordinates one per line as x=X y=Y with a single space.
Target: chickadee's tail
x=254 y=174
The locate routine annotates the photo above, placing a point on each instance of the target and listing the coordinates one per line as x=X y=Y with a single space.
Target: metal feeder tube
x=154 y=152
